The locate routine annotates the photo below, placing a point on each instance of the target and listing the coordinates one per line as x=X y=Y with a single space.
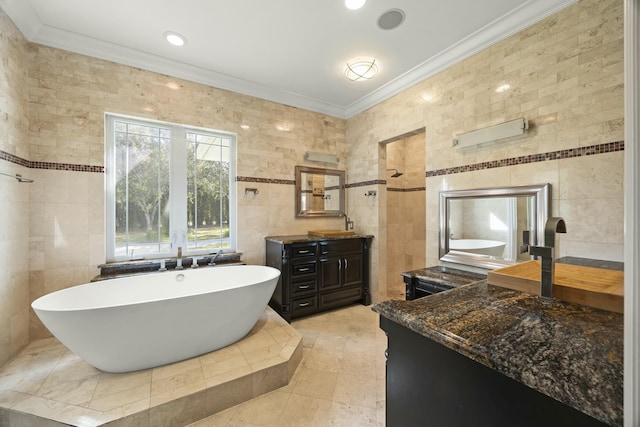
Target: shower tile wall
x=566 y=78
x=14 y=196
x=405 y=211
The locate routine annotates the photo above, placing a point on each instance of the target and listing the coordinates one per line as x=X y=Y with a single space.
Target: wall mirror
x=483 y=227
x=319 y=192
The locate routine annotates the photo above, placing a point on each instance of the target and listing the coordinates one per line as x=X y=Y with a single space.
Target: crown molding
x=34 y=30
x=23 y=16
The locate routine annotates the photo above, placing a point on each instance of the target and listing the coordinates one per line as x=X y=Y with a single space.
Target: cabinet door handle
x=306 y=251
x=304 y=304
x=304 y=287
x=304 y=269
x=339 y=264
x=346 y=264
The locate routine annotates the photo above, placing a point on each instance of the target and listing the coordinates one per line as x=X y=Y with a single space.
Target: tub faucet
x=552 y=226
x=179 y=259
x=213 y=259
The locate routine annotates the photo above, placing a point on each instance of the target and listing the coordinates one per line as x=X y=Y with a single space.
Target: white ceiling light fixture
x=175 y=39
x=360 y=69
x=354 y=4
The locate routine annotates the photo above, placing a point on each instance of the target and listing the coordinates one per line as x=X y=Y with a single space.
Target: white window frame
x=178 y=185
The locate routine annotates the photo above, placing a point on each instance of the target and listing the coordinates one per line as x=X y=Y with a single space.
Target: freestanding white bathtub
x=478 y=246
x=144 y=321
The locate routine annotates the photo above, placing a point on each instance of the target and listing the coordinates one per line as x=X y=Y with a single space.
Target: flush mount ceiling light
x=361 y=69
x=391 y=19
x=174 y=38
x=354 y=4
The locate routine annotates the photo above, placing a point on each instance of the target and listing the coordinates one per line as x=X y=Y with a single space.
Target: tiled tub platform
x=47 y=385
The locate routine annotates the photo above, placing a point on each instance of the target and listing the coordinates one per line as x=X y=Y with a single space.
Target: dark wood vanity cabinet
x=318 y=275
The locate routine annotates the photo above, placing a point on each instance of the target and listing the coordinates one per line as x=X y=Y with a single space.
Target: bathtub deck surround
x=115 y=269
x=46 y=384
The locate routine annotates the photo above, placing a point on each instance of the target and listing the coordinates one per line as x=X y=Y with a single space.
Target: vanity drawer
x=302 y=306
x=305 y=268
x=336 y=247
x=302 y=286
x=301 y=250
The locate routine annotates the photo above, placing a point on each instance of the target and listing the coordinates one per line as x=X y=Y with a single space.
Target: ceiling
x=289 y=51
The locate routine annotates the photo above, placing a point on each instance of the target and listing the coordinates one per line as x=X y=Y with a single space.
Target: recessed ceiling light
x=391 y=19
x=175 y=39
x=172 y=85
x=361 y=69
x=354 y=4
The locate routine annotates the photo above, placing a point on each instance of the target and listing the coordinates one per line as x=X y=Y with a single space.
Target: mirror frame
x=319 y=213
x=542 y=204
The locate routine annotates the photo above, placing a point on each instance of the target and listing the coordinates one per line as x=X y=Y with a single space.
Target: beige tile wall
x=14 y=196
x=69 y=95
x=565 y=76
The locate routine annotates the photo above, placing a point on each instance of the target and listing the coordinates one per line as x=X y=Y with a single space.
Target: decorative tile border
x=49 y=165
x=609 y=147
x=14 y=159
x=365 y=183
x=265 y=180
x=406 y=190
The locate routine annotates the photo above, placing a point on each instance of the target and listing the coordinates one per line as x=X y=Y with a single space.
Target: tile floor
x=339 y=382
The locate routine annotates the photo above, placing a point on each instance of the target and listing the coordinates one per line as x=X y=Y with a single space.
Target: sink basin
x=331 y=233
x=593 y=287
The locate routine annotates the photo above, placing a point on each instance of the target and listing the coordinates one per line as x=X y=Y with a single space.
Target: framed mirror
x=483 y=227
x=319 y=192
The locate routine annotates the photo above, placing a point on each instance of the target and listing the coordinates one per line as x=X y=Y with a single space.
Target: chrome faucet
x=179 y=259
x=552 y=226
x=213 y=259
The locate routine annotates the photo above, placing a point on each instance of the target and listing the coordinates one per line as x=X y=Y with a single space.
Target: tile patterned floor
x=340 y=381
x=48 y=385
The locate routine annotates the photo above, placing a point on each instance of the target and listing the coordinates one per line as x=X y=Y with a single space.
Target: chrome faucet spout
x=552 y=226
x=547 y=253
x=179 y=259
x=217 y=255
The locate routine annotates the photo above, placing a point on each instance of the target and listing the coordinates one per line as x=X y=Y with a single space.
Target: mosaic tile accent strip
x=609 y=147
x=406 y=190
x=50 y=165
x=265 y=180
x=365 y=183
x=14 y=159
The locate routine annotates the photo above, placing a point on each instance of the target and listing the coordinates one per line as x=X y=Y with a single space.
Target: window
x=168 y=186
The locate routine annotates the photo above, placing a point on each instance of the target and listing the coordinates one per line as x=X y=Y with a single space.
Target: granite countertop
x=569 y=352
x=444 y=275
x=304 y=238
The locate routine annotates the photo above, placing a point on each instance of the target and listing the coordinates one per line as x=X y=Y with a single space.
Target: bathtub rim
x=61 y=293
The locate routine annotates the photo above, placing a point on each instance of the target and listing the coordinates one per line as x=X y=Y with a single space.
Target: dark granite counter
x=303 y=238
x=444 y=275
x=569 y=352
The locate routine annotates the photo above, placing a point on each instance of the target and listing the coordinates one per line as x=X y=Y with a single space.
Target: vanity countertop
x=569 y=352
x=444 y=275
x=304 y=238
